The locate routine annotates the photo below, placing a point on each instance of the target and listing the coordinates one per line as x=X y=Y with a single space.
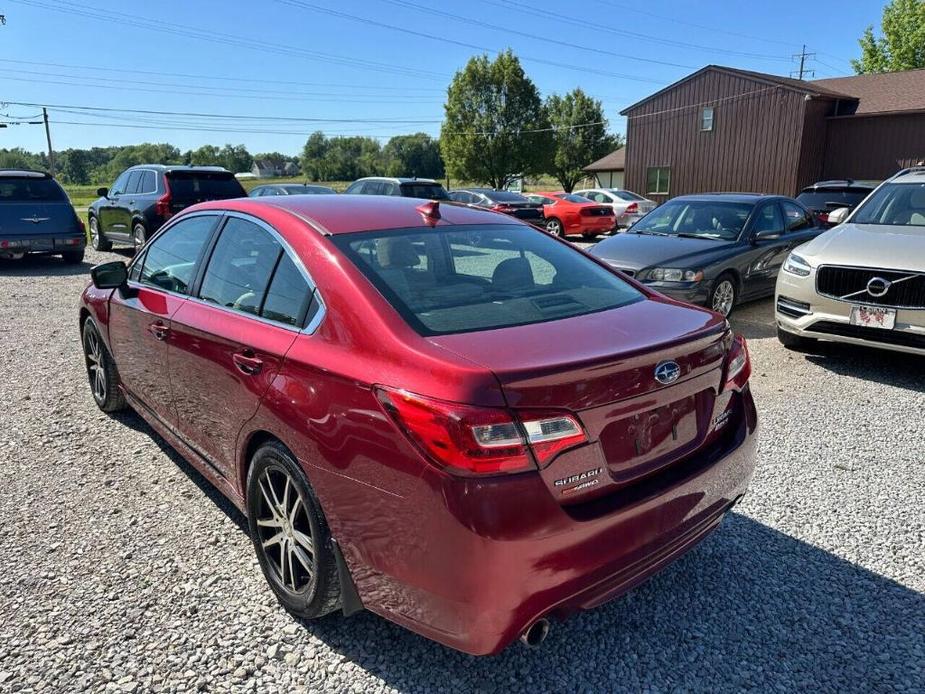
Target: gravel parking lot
x=122 y=570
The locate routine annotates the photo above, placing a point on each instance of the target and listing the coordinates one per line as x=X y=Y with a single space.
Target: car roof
x=23 y=173
x=399 y=179
x=914 y=175
x=164 y=168
x=834 y=184
x=730 y=197
x=346 y=214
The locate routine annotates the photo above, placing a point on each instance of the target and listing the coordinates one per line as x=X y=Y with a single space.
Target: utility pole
x=803 y=56
x=51 y=154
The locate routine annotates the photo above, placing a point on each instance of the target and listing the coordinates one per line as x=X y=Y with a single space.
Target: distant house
x=725 y=129
x=609 y=170
x=264 y=168
x=291 y=169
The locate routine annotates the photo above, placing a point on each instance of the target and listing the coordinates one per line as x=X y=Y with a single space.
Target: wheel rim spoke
x=269 y=523
x=303 y=559
x=304 y=541
x=284 y=532
x=274 y=540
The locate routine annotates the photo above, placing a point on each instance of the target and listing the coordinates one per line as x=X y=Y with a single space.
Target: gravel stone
x=121 y=569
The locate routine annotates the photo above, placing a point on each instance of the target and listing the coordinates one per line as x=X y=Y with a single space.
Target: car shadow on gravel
x=751 y=608
x=870 y=364
x=41 y=266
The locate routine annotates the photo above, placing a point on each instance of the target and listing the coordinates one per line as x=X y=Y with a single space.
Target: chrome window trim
x=861 y=302
x=223 y=215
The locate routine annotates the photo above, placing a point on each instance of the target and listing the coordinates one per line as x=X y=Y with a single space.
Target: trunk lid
x=602 y=367
x=36 y=219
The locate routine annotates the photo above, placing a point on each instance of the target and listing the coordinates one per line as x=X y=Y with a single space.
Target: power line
x=710 y=102
x=434 y=37
x=803 y=70
x=596 y=25
x=138 y=21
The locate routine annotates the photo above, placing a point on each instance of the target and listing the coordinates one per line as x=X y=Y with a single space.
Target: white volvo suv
x=862 y=282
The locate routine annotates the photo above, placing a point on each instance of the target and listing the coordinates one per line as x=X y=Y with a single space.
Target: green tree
x=902 y=45
x=18 y=158
x=314 y=156
x=207 y=155
x=145 y=153
x=413 y=155
x=495 y=126
x=579 y=137
x=235 y=158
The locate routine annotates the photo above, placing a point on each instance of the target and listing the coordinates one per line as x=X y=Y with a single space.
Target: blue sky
x=256 y=64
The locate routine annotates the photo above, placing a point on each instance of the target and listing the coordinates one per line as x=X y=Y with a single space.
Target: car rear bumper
x=625 y=221
x=593 y=225
x=799 y=310
x=503 y=553
x=52 y=243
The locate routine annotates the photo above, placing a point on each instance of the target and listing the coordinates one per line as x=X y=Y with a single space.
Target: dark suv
x=825 y=196
x=145 y=196
x=425 y=188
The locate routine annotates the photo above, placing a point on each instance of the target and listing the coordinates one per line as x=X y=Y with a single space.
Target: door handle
x=247 y=363
x=159 y=330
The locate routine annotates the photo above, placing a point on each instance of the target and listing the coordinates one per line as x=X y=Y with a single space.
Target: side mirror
x=839 y=215
x=109 y=275
x=103 y=192
x=766 y=235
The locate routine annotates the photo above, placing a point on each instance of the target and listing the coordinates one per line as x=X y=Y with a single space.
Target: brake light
x=162 y=206
x=499 y=207
x=479 y=440
x=823 y=217
x=738 y=365
x=632 y=208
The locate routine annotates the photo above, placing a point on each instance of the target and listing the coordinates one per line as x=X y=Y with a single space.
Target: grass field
x=82 y=196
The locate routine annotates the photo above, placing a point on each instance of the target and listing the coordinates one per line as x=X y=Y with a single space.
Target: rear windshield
x=569 y=197
x=626 y=195
x=308 y=190
x=832 y=199
x=897 y=204
x=706 y=218
x=481 y=277
x=30 y=189
x=204 y=186
x=504 y=196
x=426 y=191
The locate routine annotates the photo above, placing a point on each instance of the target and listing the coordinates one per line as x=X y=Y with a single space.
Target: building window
x=706 y=119
x=658 y=179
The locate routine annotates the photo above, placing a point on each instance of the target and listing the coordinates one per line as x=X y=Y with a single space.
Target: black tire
x=101 y=370
x=306 y=594
x=73 y=257
x=139 y=236
x=794 y=342
x=724 y=294
x=97 y=239
x=554 y=227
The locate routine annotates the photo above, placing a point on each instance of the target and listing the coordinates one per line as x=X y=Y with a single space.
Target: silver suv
x=425 y=188
x=863 y=281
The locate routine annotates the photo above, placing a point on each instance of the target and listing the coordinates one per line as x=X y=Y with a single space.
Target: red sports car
x=437 y=413
x=568 y=214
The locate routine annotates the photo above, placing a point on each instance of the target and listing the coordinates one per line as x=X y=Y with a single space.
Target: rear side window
x=30 y=189
x=171 y=259
x=148 y=183
x=426 y=191
x=482 y=277
x=134 y=180
x=289 y=295
x=198 y=185
x=239 y=270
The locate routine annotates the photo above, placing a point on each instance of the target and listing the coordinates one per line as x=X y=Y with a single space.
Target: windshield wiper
x=650 y=233
x=687 y=235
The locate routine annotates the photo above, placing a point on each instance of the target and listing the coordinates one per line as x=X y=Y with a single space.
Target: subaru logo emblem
x=878 y=286
x=667 y=372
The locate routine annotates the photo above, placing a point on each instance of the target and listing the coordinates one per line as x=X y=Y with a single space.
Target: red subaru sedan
x=567 y=214
x=437 y=413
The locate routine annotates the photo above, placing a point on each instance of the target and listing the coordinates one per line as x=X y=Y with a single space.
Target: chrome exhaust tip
x=536 y=633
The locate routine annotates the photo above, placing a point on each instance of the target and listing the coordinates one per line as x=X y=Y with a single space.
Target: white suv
x=863 y=281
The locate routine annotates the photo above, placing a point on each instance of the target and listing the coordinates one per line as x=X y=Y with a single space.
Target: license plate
x=41 y=244
x=873 y=317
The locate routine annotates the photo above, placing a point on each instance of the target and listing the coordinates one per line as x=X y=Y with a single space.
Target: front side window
x=706 y=119
x=768 y=219
x=119 y=186
x=702 y=218
x=658 y=180
x=355 y=188
x=482 y=277
x=240 y=268
x=797 y=218
x=171 y=260
x=894 y=204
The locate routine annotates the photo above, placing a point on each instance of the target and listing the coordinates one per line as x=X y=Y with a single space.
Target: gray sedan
x=713 y=250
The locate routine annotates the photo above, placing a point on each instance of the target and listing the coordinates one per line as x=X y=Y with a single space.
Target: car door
x=228 y=343
x=109 y=210
x=139 y=321
x=764 y=255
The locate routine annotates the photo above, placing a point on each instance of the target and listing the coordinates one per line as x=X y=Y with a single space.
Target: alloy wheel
x=554 y=227
x=96 y=372
x=284 y=532
x=94 y=231
x=138 y=237
x=723 y=297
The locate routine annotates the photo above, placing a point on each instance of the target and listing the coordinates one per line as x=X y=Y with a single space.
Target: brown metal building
x=724 y=129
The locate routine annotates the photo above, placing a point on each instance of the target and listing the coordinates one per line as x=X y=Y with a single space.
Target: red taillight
x=632 y=208
x=738 y=365
x=823 y=217
x=480 y=440
x=500 y=207
x=162 y=206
